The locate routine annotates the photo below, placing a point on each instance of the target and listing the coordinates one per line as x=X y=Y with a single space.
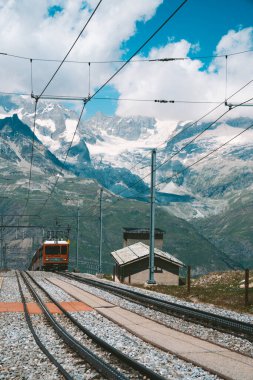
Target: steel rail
x=97 y=363
x=37 y=339
x=120 y=355
x=186 y=312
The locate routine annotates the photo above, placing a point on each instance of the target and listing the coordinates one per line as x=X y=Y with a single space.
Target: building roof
x=138 y=251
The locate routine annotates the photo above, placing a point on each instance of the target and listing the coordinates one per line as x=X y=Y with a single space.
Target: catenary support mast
x=101 y=231
x=151 y=279
x=77 y=236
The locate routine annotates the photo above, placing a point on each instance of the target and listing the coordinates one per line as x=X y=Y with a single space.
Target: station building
x=132 y=265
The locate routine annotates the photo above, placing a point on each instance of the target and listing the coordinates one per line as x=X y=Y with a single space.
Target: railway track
x=110 y=373
x=103 y=368
x=221 y=323
x=43 y=348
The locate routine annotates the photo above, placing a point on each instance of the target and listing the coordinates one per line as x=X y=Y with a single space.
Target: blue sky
x=202 y=23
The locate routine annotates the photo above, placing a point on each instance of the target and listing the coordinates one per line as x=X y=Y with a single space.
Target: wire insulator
x=89 y=82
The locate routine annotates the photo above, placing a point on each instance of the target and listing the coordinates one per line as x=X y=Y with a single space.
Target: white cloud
x=188 y=80
x=30 y=32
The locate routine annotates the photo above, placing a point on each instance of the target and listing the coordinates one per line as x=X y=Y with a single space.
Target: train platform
x=223 y=362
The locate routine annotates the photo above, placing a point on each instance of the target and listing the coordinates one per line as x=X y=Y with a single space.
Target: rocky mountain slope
x=115 y=152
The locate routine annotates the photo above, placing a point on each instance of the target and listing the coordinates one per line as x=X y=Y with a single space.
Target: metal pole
x=151 y=279
x=101 y=231
x=77 y=236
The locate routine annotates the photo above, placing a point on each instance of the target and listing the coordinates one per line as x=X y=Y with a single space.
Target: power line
x=163 y=59
x=80 y=98
x=72 y=46
x=163 y=101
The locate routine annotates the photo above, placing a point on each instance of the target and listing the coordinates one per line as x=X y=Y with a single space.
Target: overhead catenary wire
x=80 y=98
x=162 y=59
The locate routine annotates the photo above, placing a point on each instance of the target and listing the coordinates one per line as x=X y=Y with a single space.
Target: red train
x=52 y=255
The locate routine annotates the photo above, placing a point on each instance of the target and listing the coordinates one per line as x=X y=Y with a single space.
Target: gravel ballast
x=166 y=364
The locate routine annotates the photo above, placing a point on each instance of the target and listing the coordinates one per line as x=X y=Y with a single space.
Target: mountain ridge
x=118 y=160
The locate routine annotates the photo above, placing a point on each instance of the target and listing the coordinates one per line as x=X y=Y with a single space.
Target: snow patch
x=113 y=146
x=48 y=141
x=48 y=123
x=67 y=135
x=172 y=188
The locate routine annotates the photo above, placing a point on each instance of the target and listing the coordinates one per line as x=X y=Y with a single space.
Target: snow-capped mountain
x=214 y=195
x=116 y=152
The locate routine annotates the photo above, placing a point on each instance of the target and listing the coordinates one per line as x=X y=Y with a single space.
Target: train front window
x=56 y=250
x=53 y=250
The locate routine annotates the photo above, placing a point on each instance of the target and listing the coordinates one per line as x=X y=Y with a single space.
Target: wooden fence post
x=246 y=287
